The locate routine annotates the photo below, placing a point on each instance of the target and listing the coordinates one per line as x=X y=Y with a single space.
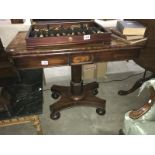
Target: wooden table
x=75 y=56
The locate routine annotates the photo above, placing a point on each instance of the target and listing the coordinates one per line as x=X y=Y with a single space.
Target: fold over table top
x=18 y=47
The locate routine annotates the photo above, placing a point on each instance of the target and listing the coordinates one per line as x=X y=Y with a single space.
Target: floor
x=83 y=120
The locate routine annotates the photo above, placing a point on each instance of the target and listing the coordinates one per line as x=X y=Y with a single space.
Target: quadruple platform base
x=68 y=99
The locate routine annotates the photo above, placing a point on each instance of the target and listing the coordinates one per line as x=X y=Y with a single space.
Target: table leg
x=136 y=85
x=77 y=94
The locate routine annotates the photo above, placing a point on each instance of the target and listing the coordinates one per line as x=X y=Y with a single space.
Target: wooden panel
x=61 y=35
x=116 y=55
x=77 y=59
x=41 y=61
x=18 y=47
x=69 y=54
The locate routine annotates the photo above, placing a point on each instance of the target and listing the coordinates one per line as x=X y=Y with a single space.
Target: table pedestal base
x=76 y=94
x=68 y=100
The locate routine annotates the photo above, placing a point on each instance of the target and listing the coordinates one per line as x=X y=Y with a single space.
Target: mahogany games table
x=77 y=94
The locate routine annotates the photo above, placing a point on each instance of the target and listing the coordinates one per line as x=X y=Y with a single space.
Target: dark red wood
x=78 y=54
x=33 y=43
x=76 y=94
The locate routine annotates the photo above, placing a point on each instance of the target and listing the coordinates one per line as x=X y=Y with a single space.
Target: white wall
x=8 y=31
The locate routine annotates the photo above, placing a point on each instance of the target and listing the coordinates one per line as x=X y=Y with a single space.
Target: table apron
x=44 y=61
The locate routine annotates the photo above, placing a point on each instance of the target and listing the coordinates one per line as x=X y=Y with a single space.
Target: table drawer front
x=127 y=55
x=40 y=61
x=81 y=59
x=116 y=55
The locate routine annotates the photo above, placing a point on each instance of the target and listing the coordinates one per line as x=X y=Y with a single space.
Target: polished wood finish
x=75 y=56
x=37 y=42
x=138 y=84
x=33 y=61
x=70 y=98
x=23 y=58
x=77 y=94
x=34 y=119
x=135 y=114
